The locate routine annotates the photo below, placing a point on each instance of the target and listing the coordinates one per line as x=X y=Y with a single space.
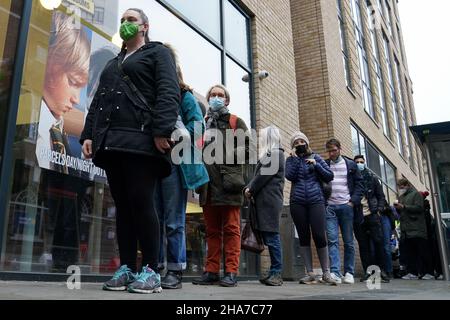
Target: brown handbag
x=251 y=239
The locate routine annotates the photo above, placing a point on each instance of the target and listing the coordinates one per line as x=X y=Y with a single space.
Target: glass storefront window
x=207 y=18
x=60 y=211
x=236 y=37
x=10 y=12
x=441 y=157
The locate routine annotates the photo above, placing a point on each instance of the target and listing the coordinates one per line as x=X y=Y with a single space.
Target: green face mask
x=128 y=30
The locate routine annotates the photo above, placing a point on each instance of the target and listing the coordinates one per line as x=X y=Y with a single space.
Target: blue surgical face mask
x=361 y=166
x=216 y=103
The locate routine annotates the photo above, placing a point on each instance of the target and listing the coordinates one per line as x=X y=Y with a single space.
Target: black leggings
x=132 y=184
x=309 y=218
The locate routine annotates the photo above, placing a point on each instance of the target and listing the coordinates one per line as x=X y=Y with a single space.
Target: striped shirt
x=339 y=186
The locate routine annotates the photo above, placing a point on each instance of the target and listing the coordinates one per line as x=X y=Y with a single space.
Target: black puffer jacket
x=119 y=121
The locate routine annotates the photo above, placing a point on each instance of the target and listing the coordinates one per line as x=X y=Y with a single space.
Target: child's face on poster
x=63 y=92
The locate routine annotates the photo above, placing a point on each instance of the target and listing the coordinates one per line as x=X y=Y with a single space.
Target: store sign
x=86 y=5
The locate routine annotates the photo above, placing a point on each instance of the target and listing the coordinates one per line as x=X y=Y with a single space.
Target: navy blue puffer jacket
x=306 y=186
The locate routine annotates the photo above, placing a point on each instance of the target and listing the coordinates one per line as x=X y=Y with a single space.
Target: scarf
x=367 y=179
x=213 y=116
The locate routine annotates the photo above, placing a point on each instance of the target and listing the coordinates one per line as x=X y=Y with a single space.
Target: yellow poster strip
x=86 y=5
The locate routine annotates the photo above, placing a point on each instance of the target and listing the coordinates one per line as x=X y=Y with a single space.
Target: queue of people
x=132 y=141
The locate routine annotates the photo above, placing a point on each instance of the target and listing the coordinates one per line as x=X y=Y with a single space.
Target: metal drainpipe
x=437 y=212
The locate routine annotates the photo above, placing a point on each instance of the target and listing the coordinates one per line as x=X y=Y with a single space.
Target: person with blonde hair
x=265 y=191
x=66 y=75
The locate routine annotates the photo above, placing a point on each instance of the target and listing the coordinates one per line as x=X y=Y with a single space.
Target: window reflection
x=55 y=220
x=9 y=24
x=207 y=18
x=239 y=90
x=236 y=40
x=199 y=60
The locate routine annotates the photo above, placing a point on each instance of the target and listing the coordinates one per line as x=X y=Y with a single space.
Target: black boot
x=172 y=280
x=384 y=277
x=208 y=278
x=229 y=280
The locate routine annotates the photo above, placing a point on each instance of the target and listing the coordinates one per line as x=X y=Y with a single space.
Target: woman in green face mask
x=127 y=133
x=134 y=29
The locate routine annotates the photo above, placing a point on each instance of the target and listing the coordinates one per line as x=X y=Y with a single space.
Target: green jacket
x=226 y=181
x=412 y=217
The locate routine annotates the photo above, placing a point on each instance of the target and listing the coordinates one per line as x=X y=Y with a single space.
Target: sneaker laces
x=119 y=273
x=145 y=274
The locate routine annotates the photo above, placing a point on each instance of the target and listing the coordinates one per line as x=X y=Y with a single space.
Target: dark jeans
x=370 y=231
x=307 y=219
x=132 y=186
x=419 y=258
x=273 y=242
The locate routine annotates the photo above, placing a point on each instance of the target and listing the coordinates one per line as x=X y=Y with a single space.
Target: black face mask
x=300 y=150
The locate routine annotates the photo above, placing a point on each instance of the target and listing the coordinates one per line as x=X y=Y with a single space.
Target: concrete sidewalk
x=246 y=290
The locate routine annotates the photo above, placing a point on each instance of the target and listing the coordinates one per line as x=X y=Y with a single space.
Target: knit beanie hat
x=298 y=135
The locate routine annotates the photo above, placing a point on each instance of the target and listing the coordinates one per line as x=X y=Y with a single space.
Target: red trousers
x=223 y=226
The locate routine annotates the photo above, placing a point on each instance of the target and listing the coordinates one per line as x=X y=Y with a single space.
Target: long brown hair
x=183 y=85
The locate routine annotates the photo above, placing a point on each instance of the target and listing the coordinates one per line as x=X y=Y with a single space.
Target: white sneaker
x=410 y=276
x=441 y=277
x=427 y=277
x=348 y=279
x=336 y=278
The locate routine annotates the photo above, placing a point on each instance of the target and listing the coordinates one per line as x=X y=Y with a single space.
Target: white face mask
x=402 y=191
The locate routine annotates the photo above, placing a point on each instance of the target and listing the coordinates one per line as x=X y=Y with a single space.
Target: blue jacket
x=354 y=180
x=306 y=179
x=193 y=174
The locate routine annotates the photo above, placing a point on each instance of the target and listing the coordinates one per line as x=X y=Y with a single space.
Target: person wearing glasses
x=222 y=197
x=346 y=192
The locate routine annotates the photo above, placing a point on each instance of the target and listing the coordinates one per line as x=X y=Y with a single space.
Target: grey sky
x=426 y=34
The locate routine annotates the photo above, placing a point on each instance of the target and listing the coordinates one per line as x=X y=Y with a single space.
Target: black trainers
x=263 y=280
x=274 y=280
x=365 y=278
x=229 y=280
x=121 y=279
x=384 y=277
x=208 y=278
x=172 y=280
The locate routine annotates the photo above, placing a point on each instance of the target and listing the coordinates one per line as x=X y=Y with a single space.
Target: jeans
x=273 y=242
x=387 y=232
x=171 y=200
x=340 y=216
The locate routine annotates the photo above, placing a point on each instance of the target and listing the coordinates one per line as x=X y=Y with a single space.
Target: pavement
x=246 y=290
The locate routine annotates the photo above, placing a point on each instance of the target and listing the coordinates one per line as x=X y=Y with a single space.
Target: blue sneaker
x=148 y=281
x=121 y=279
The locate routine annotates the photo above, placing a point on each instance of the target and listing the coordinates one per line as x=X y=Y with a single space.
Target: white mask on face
x=402 y=191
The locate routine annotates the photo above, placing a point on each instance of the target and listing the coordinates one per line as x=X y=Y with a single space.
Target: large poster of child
x=76 y=57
